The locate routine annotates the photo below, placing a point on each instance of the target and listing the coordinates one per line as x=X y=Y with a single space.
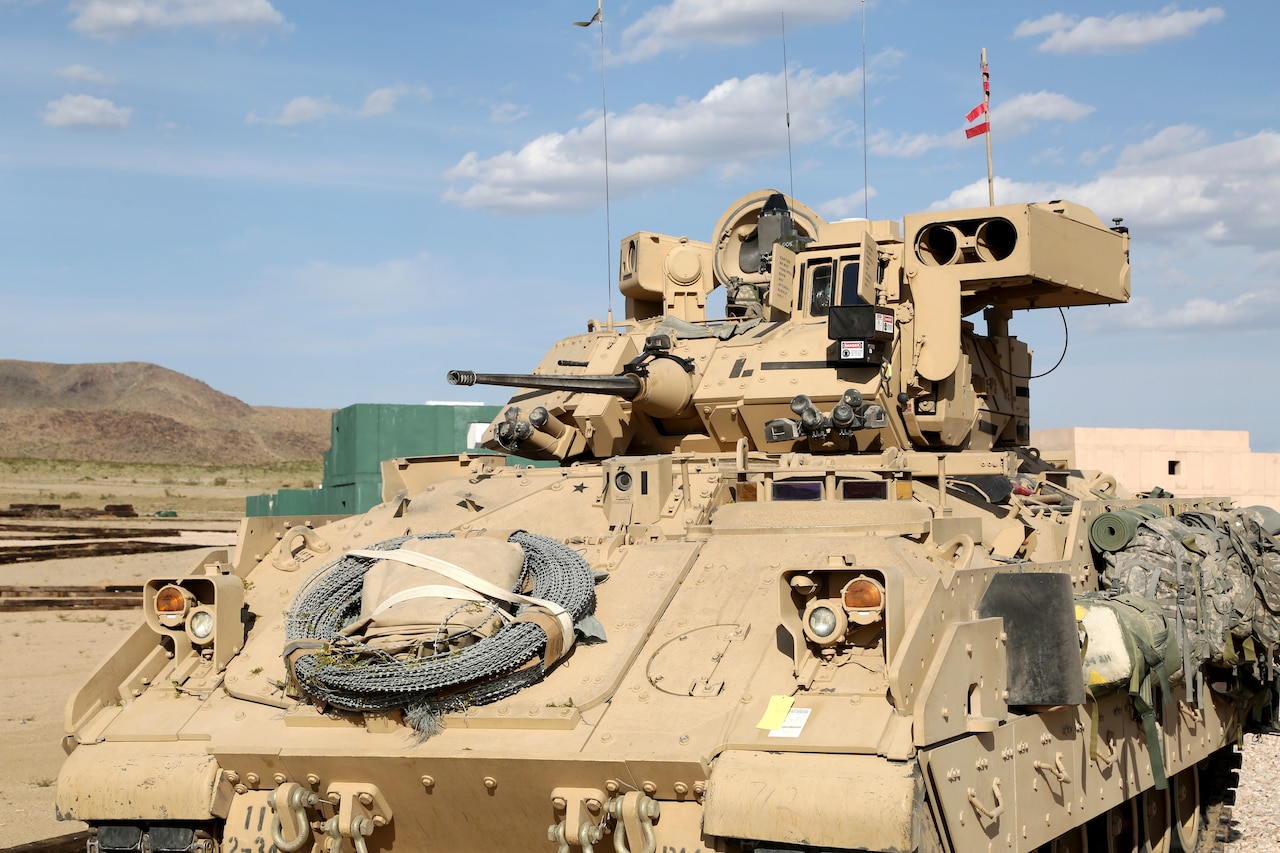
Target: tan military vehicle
x=798 y=584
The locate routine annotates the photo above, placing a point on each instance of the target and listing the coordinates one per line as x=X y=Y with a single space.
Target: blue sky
x=320 y=203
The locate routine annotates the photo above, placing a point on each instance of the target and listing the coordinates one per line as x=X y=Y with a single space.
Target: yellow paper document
x=776 y=712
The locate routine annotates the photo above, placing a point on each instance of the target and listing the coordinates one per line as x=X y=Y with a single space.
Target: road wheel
x=1157 y=827
x=1184 y=793
x=1074 y=840
x=1116 y=831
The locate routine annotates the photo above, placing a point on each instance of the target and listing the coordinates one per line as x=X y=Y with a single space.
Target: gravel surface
x=1255 y=824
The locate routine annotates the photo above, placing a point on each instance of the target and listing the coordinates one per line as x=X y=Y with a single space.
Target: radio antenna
x=786 y=88
x=598 y=18
x=866 y=192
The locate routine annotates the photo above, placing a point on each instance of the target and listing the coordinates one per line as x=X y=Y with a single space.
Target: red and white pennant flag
x=980 y=109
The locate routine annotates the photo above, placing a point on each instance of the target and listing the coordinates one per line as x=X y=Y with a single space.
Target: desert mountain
x=138 y=412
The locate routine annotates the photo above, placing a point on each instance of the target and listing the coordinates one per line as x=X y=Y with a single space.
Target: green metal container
x=365 y=434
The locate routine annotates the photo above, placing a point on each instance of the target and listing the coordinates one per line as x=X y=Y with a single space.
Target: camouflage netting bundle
x=1217 y=577
x=334 y=664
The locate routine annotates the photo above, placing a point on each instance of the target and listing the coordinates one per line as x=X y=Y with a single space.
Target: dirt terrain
x=138 y=412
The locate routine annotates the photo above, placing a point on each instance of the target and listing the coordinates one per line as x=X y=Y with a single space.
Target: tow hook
x=293 y=799
x=587 y=813
x=634 y=814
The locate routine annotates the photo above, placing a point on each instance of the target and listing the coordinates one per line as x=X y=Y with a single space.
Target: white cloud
x=853 y=205
x=684 y=23
x=503 y=113
x=1048 y=24
x=381 y=102
x=84 y=74
x=110 y=18
x=1069 y=34
x=1253 y=310
x=304 y=108
x=1020 y=113
x=1011 y=118
x=85 y=112
x=1091 y=158
x=1223 y=194
x=651 y=146
x=300 y=110
x=1170 y=141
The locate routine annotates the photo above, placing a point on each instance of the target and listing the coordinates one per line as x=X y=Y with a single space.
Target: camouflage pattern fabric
x=1215 y=574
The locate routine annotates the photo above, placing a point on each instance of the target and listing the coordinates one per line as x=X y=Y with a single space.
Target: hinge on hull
x=361 y=809
x=582 y=824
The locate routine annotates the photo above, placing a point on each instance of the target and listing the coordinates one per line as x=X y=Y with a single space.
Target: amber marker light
x=171 y=604
x=863 y=598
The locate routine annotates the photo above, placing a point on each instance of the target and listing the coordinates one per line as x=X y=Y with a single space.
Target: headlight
x=200 y=625
x=822 y=621
x=825 y=622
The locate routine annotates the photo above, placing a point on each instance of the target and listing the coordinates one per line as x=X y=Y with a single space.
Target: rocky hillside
x=137 y=412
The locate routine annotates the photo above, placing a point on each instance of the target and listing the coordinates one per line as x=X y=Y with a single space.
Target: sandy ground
x=43 y=658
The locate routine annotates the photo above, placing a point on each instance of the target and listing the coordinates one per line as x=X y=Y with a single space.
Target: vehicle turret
x=845 y=336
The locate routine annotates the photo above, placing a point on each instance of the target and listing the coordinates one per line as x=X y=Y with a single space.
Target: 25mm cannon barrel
x=626 y=387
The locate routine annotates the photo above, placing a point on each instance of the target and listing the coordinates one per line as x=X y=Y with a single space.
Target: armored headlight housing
x=840 y=611
x=197 y=614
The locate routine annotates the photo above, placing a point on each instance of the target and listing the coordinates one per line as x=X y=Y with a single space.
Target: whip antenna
x=866 y=192
x=786 y=88
x=598 y=18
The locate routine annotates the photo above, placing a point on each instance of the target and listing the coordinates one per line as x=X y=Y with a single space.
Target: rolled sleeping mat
x=1113 y=531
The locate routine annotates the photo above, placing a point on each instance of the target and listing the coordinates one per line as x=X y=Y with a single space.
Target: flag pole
x=986 y=99
x=983 y=111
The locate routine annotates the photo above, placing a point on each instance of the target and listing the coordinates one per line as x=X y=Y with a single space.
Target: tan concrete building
x=1183 y=461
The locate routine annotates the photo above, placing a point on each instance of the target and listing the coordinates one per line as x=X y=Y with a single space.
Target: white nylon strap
x=433 y=590
x=472 y=582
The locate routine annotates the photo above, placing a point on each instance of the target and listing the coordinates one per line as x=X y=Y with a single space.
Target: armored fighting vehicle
x=798 y=583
